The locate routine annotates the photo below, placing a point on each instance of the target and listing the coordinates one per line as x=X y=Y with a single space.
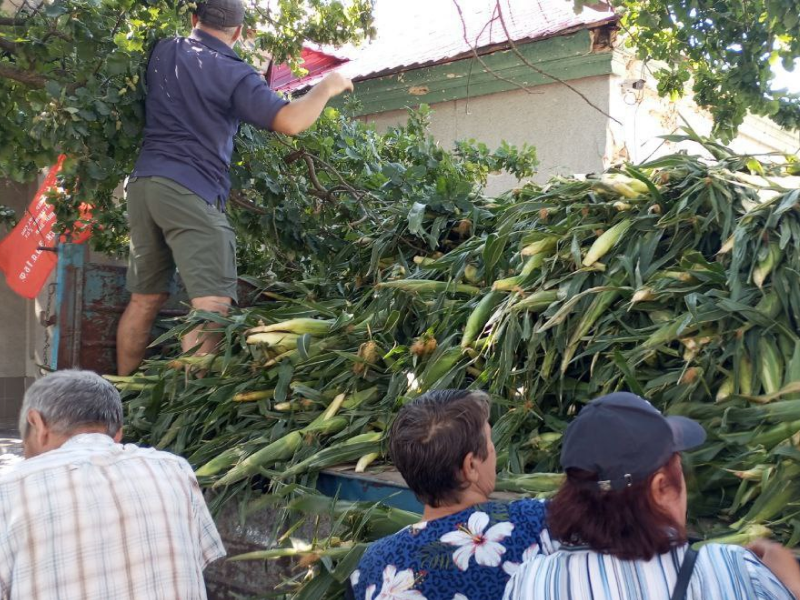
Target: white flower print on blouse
x=460 y=597
x=417 y=527
x=396 y=586
x=355 y=576
x=473 y=540
x=511 y=567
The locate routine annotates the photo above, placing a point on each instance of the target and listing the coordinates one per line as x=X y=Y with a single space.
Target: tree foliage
x=71 y=81
x=726 y=51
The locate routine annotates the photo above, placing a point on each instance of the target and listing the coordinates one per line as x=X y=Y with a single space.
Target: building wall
x=569 y=135
x=645 y=116
x=18 y=320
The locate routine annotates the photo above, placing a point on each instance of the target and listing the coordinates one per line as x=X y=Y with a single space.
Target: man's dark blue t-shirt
x=198 y=90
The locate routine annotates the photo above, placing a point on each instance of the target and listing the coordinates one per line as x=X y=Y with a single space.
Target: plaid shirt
x=99 y=520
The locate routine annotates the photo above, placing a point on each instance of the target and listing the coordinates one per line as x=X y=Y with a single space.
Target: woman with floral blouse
x=466 y=547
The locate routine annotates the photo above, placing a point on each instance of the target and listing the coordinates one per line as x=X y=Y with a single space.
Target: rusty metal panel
x=91 y=299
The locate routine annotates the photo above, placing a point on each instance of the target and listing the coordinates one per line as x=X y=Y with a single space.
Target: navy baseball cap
x=624 y=439
x=220 y=13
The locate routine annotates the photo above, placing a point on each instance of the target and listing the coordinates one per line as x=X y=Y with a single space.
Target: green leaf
x=53 y=88
x=492 y=251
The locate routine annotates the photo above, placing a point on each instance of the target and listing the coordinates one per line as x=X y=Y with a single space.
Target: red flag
x=24 y=264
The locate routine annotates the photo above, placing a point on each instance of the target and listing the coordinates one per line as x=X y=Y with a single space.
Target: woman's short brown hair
x=625 y=523
x=432 y=435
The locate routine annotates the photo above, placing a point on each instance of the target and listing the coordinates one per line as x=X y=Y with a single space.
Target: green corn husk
x=227 y=459
x=767 y=264
x=278 y=451
x=423 y=286
x=534 y=483
x=477 y=320
x=770 y=368
x=605 y=242
x=537 y=301
x=344 y=452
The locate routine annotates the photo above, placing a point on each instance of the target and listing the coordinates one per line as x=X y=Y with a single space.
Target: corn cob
x=424 y=261
x=628 y=187
x=298 y=326
x=537 y=301
x=361 y=397
x=478 y=318
x=745 y=376
x=511 y=283
x=277 y=451
x=605 y=242
x=295 y=405
x=274 y=339
x=253 y=395
x=326 y=426
x=530 y=484
x=427 y=286
x=740 y=538
x=338 y=454
x=366 y=460
x=767 y=264
x=471 y=274
x=439 y=368
x=222 y=461
x=545 y=245
x=670 y=332
x=770 y=369
x=643 y=295
x=726 y=389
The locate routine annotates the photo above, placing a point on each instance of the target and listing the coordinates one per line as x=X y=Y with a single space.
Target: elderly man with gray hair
x=86 y=517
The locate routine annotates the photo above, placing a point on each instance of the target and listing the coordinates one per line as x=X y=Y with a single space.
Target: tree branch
x=238 y=199
x=12 y=22
x=8 y=46
x=499 y=12
x=25 y=77
x=483 y=63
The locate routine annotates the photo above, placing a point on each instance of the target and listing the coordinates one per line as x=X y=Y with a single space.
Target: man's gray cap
x=220 y=13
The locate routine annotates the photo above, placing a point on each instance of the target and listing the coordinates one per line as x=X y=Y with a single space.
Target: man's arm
x=299 y=115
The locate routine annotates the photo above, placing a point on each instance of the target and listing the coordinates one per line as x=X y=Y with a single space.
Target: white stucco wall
x=572 y=137
x=569 y=135
x=646 y=116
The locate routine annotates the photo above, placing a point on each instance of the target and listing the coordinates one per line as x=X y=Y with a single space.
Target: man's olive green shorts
x=171 y=226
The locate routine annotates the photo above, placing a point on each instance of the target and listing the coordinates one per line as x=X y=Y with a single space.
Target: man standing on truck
x=198 y=91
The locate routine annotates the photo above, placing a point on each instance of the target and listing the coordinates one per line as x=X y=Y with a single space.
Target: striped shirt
x=722 y=572
x=96 y=520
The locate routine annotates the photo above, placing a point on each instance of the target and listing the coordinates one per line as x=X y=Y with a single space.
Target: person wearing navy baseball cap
x=199 y=90
x=621 y=518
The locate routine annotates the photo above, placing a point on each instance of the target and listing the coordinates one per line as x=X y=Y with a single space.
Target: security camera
x=633 y=84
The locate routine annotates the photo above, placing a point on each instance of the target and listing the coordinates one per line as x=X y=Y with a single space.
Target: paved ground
x=10 y=445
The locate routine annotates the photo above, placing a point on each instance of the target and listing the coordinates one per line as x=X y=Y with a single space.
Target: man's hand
x=300 y=114
x=335 y=83
x=780 y=561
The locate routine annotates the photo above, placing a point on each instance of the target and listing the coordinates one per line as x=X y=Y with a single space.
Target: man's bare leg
x=201 y=337
x=133 y=331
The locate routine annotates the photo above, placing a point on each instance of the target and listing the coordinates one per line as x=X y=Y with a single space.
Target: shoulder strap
x=685 y=574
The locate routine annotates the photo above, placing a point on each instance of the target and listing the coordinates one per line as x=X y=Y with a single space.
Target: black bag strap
x=685 y=574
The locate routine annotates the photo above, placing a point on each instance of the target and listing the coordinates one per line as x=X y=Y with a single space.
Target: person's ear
x=195 y=20
x=469 y=472
x=38 y=428
x=237 y=34
x=662 y=491
x=118 y=436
